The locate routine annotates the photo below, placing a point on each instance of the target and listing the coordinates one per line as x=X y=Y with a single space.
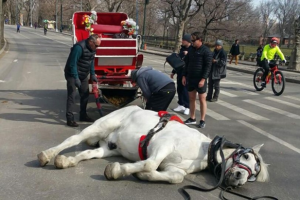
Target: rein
x=214 y=167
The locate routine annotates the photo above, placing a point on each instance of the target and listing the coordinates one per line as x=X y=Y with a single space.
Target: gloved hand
x=284 y=61
x=77 y=83
x=94 y=78
x=268 y=61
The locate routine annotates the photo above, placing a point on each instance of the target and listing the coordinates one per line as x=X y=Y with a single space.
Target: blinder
x=257 y=168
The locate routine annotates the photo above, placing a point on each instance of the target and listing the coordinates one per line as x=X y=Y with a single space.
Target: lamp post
x=143 y=40
x=167 y=37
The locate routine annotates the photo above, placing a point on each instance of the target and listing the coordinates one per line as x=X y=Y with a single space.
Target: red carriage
x=117 y=55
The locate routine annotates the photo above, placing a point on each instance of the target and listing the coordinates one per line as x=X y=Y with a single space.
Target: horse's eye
x=246 y=156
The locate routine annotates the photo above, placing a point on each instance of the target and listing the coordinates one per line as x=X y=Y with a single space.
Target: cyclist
x=268 y=54
x=45 y=28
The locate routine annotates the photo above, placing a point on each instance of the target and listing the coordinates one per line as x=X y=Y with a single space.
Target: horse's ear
x=256 y=148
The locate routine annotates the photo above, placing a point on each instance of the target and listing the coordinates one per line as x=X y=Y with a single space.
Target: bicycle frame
x=273 y=71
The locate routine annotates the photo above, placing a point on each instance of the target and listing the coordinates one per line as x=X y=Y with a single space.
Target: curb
x=290 y=80
x=1 y=50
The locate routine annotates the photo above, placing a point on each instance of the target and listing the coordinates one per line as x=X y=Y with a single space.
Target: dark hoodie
x=150 y=80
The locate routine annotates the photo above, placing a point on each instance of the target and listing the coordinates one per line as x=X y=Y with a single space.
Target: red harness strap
x=160 y=114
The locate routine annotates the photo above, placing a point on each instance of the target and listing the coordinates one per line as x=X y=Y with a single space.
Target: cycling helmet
x=274 y=41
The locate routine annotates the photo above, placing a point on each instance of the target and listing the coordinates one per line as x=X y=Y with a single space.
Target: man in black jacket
x=183 y=95
x=79 y=65
x=218 y=71
x=195 y=73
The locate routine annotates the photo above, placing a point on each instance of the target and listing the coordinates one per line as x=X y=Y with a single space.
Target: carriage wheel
x=257 y=79
x=278 y=83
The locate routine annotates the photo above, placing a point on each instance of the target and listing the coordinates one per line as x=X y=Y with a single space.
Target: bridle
x=218 y=169
x=236 y=163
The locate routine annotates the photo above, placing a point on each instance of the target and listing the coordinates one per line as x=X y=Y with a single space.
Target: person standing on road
x=235 y=52
x=18 y=27
x=259 y=51
x=157 y=88
x=195 y=74
x=79 y=65
x=183 y=95
x=218 y=71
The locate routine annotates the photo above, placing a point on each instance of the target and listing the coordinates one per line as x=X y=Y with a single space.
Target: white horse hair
x=176 y=150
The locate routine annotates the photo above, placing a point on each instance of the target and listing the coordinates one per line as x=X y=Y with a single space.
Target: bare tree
x=266 y=13
x=285 y=9
x=182 y=11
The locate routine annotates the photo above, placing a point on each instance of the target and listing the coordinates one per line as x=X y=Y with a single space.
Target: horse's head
x=244 y=165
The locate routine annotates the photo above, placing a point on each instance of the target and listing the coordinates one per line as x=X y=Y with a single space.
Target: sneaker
x=201 y=124
x=263 y=84
x=86 y=118
x=186 y=111
x=190 y=121
x=214 y=100
x=72 y=124
x=179 y=108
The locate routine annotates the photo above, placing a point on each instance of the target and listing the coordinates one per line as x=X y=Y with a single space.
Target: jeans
x=183 y=95
x=213 y=84
x=84 y=97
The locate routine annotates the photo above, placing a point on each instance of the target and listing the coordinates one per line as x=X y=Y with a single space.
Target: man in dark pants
x=79 y=65
x=195 y=73
x=218 y=71
x=157 y=87
x=183 y=95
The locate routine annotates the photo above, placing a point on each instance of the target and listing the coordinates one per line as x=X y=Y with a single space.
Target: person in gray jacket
x=157 y=87
x=218 y=71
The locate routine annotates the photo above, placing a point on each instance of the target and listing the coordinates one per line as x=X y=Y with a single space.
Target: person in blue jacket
x=79 y=65
x=157 y=87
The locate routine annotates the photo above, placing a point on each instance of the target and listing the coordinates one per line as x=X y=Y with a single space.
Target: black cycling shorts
x=193 y=84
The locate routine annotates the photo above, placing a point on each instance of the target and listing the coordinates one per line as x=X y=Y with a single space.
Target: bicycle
x=277 y=77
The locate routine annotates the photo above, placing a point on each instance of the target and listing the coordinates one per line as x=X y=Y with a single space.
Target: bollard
x=145 y=46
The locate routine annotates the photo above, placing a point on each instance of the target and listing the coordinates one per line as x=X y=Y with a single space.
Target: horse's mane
x=263 y=175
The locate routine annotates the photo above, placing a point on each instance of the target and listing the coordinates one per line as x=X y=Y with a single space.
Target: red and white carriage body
x=115 y=57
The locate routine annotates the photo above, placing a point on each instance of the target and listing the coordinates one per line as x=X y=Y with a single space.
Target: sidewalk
x=243 y=66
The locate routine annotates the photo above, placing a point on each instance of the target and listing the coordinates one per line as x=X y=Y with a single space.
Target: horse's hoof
x=112 y=171
x=43 y=158
x=61 y=162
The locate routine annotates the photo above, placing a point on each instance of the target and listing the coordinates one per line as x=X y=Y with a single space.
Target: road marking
x=228 y=94
x=272 y=137
x=283 y=102
x=1 y=81
x=246 y=86
x=215 y=115
x=291 y=97
x=241 y=110
x=16 y=60
x=288 y=114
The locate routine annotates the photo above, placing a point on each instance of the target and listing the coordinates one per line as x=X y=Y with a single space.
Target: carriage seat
x=102 y=28
x=82 y=34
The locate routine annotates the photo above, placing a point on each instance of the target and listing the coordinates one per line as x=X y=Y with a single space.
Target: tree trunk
x=1 y=25
x=179 y=36
x=295 y=58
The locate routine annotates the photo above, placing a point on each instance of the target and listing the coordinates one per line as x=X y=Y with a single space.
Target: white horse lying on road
x=176 y=150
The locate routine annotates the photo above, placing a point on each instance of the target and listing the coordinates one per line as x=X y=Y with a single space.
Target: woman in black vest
x=79 y=65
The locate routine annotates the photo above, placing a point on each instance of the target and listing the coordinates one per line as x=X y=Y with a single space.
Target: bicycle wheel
x=278 y=83
x=257 y=79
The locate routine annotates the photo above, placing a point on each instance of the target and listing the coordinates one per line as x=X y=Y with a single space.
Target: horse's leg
x=115 y=170
x=173 y=173
x=99 y=129
x=103 y=151
x=170 y=174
